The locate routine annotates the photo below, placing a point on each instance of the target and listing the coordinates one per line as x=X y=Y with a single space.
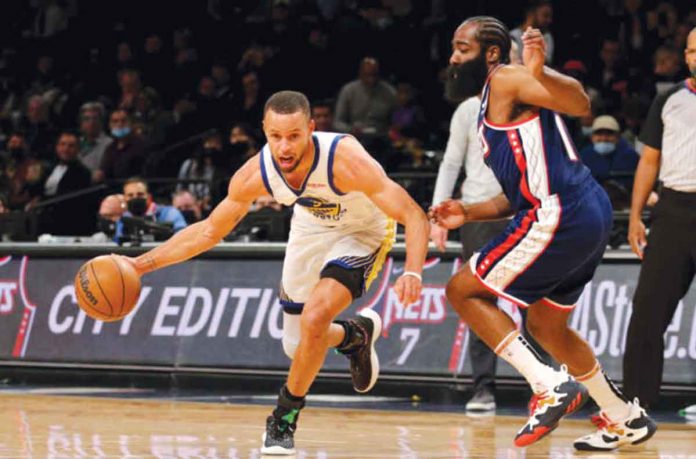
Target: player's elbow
x=209 y=233
x=582 y=106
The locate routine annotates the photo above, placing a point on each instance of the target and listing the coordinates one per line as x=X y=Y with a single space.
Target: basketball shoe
x=547 y=409
x=635 y=429
x=361 y=334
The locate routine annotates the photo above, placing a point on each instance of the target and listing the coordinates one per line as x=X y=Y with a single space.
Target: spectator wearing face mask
x=204 y=167
x=139 y=203
x=125 y=156
x=611 y=159
x=188 y=205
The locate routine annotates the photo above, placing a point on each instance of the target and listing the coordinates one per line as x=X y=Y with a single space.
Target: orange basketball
x=107 y=288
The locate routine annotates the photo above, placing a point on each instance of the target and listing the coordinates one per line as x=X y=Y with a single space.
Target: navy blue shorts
x=548 y=252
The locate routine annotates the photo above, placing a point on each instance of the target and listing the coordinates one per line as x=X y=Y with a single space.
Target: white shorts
x=309 y=252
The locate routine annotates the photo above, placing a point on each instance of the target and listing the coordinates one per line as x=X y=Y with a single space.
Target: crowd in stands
x=96 y=93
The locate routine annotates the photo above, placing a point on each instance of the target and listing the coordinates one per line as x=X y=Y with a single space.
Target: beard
x=692 y=70
x=466 y=80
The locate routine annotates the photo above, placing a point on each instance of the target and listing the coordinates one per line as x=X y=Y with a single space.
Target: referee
x=669 y=253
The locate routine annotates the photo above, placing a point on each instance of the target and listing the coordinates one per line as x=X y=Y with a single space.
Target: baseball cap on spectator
x=605 y=123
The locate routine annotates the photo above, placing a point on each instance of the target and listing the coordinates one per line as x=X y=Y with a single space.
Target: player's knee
x=316 y=322
x=290 y=346
x=454 y=291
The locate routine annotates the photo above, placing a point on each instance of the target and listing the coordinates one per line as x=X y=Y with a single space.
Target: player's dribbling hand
x=534 y=51
x=438 y=235
x=448 y=214
x=408 y=289
x=636 y=237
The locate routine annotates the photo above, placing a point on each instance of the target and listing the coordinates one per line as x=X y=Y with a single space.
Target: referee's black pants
x=669 y=263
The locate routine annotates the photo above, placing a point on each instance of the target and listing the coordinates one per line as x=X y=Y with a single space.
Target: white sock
x=516 y=351
x=609 y=398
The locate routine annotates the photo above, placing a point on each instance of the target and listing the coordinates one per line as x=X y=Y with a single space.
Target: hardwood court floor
x=41 y=426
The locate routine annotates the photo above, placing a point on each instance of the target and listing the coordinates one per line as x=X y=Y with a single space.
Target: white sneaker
x=635 y=429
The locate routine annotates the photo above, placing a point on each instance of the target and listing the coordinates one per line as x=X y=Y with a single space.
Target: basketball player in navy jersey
x=552 y=246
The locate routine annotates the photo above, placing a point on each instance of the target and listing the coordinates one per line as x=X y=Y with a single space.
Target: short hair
x=287 y=102
x=93 y=107
x=65 y=132
x=324 y=103
x=492 y=32
x=136 y=179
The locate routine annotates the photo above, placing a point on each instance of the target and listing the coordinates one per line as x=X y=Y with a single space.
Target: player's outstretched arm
x=355 y=170
x=245 y=186
x=537 y=85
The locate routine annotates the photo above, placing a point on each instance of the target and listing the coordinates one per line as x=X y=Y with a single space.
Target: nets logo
x=430 y=309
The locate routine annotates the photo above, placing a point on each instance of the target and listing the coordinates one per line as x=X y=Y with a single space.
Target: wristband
x=414 y=274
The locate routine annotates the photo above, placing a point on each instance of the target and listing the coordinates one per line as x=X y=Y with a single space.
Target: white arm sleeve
x=457 y=144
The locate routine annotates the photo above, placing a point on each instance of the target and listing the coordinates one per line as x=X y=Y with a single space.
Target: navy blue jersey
x=532 y=159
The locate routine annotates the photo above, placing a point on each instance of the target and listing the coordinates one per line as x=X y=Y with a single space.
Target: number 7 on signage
x=410 y=335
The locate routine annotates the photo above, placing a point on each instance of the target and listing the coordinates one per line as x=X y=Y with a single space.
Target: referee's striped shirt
x=671 y=128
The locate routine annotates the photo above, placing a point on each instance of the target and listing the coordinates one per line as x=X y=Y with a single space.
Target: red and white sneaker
x=635 y=429
x=547 y=409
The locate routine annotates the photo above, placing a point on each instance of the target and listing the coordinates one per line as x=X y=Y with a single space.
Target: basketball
x=107 y=288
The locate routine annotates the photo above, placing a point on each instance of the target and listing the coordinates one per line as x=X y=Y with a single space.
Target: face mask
x=604 y=148
x=189 y=216
x=120 y=133
x=586 y=130
x=466 y=80
x=137 y=206
x=106 y=226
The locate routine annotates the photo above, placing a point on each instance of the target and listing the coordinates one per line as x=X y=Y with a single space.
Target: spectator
x=365 y=106
x=538 y=15
x=407 y=119
x=129 y=82
x=23 y=173
x=202 y=167
x=223 y=81
x=609 y=75
x=139 y=203
x=155 y=63
x=39 y=132
x=93 y=140
x=243 y=146
x=151 y=121
x=125 y=156
x=611 y=160
x=322 y=114
x=250 y=108
x=111 y=210
x=667 y=70
x=68 y=175
x=188 y=205
x=668 y=255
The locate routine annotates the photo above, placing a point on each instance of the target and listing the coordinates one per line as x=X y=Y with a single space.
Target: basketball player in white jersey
x=342 y=229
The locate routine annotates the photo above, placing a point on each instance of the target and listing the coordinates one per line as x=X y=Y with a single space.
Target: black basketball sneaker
x=364 y=363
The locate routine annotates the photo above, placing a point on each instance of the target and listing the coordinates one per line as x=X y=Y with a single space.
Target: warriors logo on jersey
x=321 y=208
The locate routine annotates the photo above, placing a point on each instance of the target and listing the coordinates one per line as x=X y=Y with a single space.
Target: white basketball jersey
x=318 y=202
